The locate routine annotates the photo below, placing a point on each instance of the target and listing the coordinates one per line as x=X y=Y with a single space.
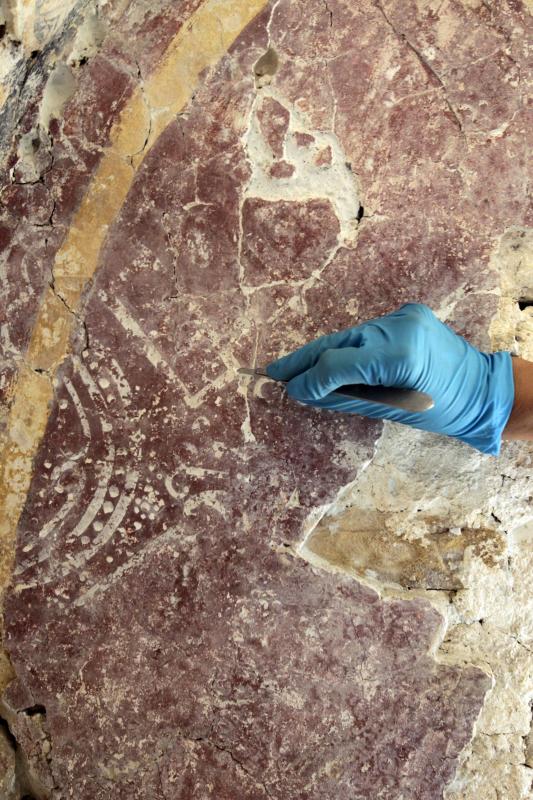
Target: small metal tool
x=406 y=399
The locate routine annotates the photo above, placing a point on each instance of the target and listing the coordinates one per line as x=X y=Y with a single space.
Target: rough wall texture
x=218 y=593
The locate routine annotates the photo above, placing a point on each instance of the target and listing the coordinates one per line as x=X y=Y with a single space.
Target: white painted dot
x=85 y=540
x=47 y=465
x=97 y=526
x=93 y=365
x=109 y=559
x=113 y=491
x=108 y=507
x=137 y=526
x=103 y=383
x=63 y=404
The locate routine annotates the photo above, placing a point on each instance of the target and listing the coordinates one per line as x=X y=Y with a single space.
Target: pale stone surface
x=35 y=23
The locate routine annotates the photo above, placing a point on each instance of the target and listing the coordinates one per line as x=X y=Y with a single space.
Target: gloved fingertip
x=274 y=370
x=303 y=388
x=296 y=390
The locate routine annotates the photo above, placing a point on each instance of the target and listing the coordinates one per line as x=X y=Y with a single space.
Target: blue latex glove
x=410 y=348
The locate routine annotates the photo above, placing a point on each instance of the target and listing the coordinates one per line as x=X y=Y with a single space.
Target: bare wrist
x=520 y=423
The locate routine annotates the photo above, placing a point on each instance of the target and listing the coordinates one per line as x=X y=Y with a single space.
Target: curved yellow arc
x=200 y=43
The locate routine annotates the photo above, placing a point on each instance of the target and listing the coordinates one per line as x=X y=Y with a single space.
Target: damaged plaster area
x=41 y=42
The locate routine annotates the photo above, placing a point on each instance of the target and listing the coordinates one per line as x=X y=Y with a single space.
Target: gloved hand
x=409 y=348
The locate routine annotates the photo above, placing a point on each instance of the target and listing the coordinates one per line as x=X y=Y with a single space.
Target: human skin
x=520 y=423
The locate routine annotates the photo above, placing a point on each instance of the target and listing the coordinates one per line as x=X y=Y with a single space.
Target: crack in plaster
x=428 y=69
x=221 y=748
x=149 y=109
x=76 y=314
x=242 y=768
x=329 y=12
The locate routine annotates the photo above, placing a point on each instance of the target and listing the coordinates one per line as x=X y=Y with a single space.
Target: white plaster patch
x=59 y=89
x=334 y=182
